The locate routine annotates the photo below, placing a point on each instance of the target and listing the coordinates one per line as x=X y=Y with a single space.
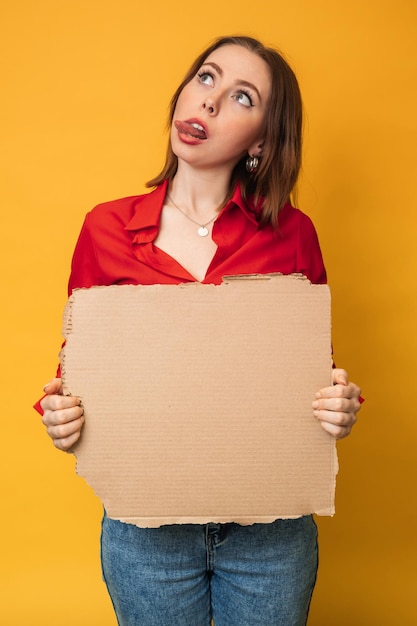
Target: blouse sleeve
x=84 y=267
x=84 y=273
x=310 y=258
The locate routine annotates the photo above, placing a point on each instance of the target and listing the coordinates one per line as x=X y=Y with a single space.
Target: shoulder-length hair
x=274 y=180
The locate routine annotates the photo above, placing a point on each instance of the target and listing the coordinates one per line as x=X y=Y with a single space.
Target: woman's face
x=220 y=114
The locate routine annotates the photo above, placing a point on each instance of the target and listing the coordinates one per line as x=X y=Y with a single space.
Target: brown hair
x=276 y=176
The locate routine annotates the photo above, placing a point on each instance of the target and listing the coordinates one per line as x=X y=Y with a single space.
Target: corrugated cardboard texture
x=197 y=399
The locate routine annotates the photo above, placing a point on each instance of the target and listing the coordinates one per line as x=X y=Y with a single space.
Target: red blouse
x=115 y=245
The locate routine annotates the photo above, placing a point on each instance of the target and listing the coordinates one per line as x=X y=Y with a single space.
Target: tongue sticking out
x=190 y=129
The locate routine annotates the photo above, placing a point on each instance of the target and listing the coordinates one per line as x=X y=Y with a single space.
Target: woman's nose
x=209 y=106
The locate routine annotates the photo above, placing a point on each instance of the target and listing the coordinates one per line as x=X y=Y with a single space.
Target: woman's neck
x=200 y=192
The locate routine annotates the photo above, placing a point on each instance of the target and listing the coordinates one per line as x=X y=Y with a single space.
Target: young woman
x=220 y=206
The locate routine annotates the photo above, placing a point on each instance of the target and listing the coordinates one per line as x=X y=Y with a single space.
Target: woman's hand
x=63 y=415
x=336 y=407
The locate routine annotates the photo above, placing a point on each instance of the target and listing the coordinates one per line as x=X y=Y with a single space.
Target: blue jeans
x=260 y=575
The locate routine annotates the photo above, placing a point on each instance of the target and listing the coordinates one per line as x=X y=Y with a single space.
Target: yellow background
x=85 y=91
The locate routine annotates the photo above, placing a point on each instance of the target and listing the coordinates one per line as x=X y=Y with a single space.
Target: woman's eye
x=206 y=78
x=244 y=98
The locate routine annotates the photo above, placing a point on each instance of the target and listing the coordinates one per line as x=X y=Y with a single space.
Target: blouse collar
x=148 y=208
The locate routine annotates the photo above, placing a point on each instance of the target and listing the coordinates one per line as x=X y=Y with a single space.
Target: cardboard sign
x=197 y=399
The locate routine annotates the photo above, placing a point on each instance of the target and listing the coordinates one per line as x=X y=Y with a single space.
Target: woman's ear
x=256 y=148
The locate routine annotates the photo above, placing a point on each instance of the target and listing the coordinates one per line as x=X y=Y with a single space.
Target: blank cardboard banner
x=197 y=399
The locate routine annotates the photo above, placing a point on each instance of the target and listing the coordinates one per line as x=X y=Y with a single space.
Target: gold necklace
x=202 y=229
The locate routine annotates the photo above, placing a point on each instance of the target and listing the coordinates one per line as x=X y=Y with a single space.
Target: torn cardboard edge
x=197 y=399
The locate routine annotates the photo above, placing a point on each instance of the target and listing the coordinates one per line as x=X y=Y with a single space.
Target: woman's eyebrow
x=245 y=83
x=215 y=66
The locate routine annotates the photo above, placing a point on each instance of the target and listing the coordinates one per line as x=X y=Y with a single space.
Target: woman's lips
x=192 y=129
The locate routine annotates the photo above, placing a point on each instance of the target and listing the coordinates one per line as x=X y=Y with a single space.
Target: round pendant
x=203 y=231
